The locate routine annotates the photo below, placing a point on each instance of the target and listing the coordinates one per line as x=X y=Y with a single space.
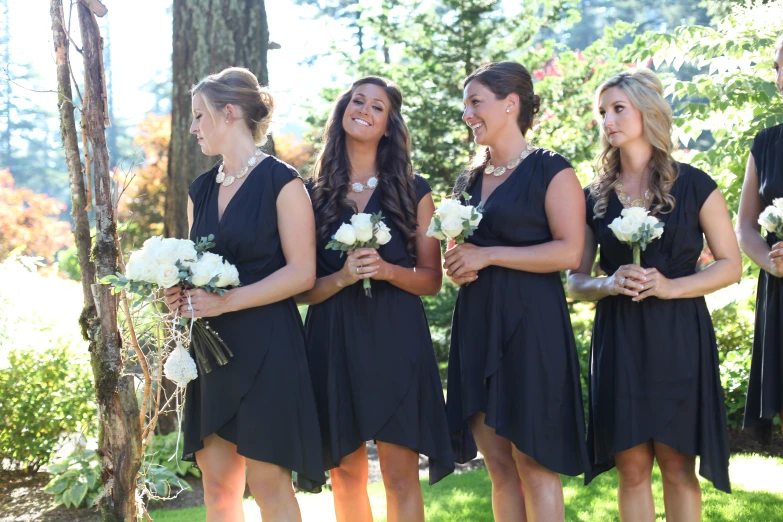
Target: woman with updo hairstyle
x=513 y=379
x=371 y=358
x=254 y=419
x=655 y=391
x=763 y=184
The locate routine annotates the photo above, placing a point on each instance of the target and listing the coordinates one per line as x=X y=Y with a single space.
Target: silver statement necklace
x=499 y=171
x=359 y=187
x=228 y=180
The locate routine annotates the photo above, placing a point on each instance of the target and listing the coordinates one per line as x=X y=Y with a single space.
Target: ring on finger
x=621 y=281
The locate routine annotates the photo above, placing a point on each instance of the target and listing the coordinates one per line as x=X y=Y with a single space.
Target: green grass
x=757 y=483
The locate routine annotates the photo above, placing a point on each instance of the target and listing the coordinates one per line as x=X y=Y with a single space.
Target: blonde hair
x=645 y=92
x=238 y=86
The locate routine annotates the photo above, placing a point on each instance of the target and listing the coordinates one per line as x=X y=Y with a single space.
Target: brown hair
x=502 y=78
x=238 y=86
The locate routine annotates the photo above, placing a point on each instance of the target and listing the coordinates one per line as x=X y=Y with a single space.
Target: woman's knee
x=269 y=483
x=677 y=469
x=532 y=474
x=222 y=492
x=502 y=468
x=349 y=477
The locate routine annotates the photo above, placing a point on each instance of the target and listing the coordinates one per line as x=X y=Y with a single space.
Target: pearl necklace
x=359 y=187
x=499 y=171
x=228 y=180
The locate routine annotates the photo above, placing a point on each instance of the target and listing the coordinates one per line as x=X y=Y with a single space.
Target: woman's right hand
x=626 y=280
x=174 y=297
x=776 y=259
x=361 y=263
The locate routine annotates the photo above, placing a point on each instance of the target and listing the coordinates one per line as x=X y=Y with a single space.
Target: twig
x=142 y=360
x=9 y=80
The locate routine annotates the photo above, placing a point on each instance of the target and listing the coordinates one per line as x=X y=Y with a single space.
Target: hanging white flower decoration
x=180 y=368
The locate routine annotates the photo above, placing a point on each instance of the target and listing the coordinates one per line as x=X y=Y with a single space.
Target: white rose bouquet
x=453 y=220
x=364 y=231
x=637 y=229
x=163 y=263
x=772 y=218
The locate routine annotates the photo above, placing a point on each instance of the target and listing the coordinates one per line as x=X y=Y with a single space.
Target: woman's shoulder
x=702 y=183
x=422 y=186
x=280 y=173
x=200 y=182
x=553 y=162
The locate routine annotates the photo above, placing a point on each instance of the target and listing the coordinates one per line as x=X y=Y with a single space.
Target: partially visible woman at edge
x=513 y=386
x=654 y=384
x=255 y=418
x=371 y=358
x=764 y=183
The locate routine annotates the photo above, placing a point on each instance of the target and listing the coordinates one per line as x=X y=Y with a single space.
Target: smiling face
x=203 y=126
x=778 y=65
x=622 y=122
x=367 y=113
x=486 y=115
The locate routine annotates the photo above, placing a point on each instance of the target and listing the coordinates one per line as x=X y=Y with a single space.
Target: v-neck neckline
x=362 y=211
x=481 y=187
x=231 y=200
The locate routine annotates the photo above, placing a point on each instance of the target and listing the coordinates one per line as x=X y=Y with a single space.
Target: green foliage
x=44 y=397
x=160 y=450
x=440 y=309
x=75 y=479
x=156 y=481
x=733 y=96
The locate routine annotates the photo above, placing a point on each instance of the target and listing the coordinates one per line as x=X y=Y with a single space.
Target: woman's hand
x=463 y=259
x=383 y=272
x=202 y=303
x=658 y=285
x=362 y=263
x=467 y=277
x=172 y=297
x=776 y=260
x=626 y=280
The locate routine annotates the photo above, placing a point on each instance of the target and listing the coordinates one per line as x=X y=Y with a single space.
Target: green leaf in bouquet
x=109 y=280
x=466 y=196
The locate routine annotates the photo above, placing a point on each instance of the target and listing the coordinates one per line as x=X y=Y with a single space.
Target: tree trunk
x=208 y=37
x=120 y=431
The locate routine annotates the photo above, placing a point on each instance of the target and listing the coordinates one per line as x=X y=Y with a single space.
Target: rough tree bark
x=120 y=433
x=209 y=35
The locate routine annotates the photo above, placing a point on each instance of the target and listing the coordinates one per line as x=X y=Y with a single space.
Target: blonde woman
x=763 y=183
x=655 y=391
x=254 y=419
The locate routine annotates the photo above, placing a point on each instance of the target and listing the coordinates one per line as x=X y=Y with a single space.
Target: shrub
x=76 y=479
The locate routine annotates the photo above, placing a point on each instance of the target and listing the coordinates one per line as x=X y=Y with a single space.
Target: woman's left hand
x=384 y=271
x=203 y=303
x=658 y=285
x=464 y=258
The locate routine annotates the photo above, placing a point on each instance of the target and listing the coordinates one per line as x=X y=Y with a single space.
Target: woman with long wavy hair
x=763 y=184
x=655 y=391
x=371 y=358
x=513 y=387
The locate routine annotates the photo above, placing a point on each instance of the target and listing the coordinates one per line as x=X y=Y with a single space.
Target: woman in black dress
x=513 y=369
x=655 y=390
x=371 y=358
x=255 y=417
x=763 y=183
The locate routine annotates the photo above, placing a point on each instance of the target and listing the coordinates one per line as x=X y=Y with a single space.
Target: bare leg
x=681 y=488
x=543 y=490
x=508 y=495
x=273 y=491
x=634 y=467
x=400 y=469
x=349 y=485
x=223 y=476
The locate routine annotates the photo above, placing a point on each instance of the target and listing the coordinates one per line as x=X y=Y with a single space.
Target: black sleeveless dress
x=262 y=400
x=654 y=364
x=372 y=361
x=513 y=354
x=765 y=389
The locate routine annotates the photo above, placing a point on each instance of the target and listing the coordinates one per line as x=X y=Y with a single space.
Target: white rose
x=768 y=219
x=229 y=276
x=167 y=251
x=635 y=215
x=209 y=266
x=465 y=211
x=383 y=234
x=778 y=204
x=345 y=234
x=186 y=252
x=452 y=226
x=168 y=276
x=141 y=267
x=623 y=229
x=657 y=232
x=362 y=225
x=152 y=245
x=433 y=231
x=448 y=208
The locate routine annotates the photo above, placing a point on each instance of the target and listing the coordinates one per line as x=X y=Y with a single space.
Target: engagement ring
x=621 y=281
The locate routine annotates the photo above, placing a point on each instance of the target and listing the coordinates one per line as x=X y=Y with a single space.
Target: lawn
x=757 y=484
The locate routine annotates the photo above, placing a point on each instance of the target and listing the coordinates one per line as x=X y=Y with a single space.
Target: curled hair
x=645 y=92
x=502 y=79
x=331 y=179
x=238 y=86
